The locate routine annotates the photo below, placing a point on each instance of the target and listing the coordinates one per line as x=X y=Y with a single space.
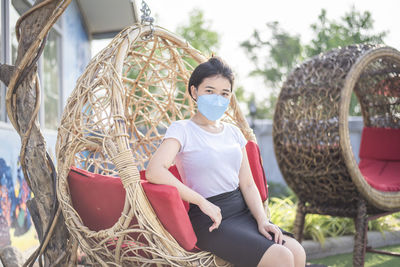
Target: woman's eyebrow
x=211 y=87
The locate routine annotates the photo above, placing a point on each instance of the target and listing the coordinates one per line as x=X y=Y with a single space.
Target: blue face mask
x=212 y=106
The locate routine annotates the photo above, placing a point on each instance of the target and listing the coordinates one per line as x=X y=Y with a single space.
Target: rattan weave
x=112 y=123
x=311 y=135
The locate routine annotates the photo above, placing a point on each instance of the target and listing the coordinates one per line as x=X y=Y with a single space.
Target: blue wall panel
x=76 y=48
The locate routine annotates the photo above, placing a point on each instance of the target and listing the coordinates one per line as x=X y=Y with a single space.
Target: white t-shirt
x=209 y=163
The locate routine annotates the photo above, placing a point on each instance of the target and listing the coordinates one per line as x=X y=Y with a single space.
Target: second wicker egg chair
x=112 y=123
x=312 y=143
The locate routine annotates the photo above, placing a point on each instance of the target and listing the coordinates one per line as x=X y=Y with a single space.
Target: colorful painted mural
x=14 y=193
x=16 y=227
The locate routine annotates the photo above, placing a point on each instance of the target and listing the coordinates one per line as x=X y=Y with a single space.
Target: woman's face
x=213 y=85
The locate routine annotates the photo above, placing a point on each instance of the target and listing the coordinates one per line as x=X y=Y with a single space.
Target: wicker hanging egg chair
x=112 y=123
x=312 y=143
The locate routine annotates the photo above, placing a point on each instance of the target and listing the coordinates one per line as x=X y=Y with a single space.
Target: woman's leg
x=277 y=256
x=297 y=250
x=290 y=254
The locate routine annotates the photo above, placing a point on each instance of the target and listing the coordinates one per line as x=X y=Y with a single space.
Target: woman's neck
x=202 y=121
x=199 y=119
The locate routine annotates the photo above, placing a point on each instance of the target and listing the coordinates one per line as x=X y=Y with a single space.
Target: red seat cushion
x=380 y=143
x=382 y=175
x=99 y=200
x=253 y=154
x=380 y=158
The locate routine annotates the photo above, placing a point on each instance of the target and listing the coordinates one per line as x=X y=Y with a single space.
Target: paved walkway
x=345 y=244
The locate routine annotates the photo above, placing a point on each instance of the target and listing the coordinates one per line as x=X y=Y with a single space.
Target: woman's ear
x=193 y=90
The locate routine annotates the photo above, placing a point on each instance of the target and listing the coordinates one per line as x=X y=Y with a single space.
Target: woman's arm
x=254 y=202
x=157 y=173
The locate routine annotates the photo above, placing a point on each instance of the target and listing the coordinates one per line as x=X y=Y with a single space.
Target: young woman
x=226 y=210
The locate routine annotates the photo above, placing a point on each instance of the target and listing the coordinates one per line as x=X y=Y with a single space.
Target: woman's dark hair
x=213 y=67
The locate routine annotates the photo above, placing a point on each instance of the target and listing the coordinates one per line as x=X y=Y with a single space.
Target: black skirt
x=237 y=238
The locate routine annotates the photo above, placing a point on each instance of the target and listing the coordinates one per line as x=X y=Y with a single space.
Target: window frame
x=42 y=119
x=4 y=54
x=5 y=57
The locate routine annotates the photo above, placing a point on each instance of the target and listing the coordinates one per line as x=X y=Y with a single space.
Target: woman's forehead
x=216 y=81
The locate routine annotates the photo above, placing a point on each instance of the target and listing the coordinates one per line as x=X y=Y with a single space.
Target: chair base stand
x=378 y=251
x=372 y=250
x=361 y=225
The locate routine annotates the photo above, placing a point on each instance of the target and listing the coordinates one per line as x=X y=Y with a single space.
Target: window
x=2 y=60
x=8 y=46
x=14 y=16
x=49 y=63
x=51 y=80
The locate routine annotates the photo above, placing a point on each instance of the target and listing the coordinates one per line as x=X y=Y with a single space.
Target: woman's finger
x=275 y=230
x=217 y=221
x=265 y=233
x=213 y=227
x=278 y=235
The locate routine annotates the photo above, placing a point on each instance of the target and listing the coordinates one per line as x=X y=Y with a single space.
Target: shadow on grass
x=371 y=259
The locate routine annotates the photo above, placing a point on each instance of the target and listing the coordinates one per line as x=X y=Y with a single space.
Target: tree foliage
x=199 y=34
x=353 y=28
x=276 y=54
x=273 y=58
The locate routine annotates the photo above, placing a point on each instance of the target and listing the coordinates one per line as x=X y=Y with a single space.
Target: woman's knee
x=297 y=250
x=277 y=256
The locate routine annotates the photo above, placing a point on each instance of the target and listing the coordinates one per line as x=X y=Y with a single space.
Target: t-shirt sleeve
x=176 y=131
x=239 y=136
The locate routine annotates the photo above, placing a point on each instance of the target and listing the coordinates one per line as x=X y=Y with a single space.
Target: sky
x=235 y=21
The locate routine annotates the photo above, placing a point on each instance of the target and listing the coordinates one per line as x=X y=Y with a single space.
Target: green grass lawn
x=371 y=259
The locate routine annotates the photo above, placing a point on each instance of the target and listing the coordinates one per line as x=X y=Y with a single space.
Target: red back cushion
x=380 y=143
x=99 y=200
x=253 y=153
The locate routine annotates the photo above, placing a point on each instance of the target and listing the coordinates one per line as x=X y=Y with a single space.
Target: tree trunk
x=35 y=161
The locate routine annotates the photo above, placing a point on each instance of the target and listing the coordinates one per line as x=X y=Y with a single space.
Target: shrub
x=318 y=227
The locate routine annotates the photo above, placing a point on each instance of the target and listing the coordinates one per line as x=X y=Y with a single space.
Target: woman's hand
x=212 y=211
x=266 y=228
